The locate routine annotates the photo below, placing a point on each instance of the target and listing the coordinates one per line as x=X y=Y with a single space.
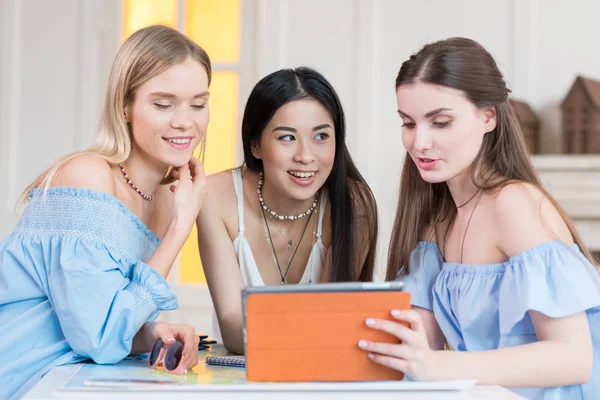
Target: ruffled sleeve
x=102 y=300
x=553 y=278
x=425 y=265
x=92 y=251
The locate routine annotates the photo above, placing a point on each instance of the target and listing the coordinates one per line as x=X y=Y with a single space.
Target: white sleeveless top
x=249 y=269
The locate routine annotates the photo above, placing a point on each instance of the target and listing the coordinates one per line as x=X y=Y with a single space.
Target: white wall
x=55 y=57
x=562 y=52
x=53 y=70
x=359 y=45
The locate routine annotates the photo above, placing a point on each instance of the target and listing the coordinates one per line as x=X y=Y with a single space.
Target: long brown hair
x=504 y=158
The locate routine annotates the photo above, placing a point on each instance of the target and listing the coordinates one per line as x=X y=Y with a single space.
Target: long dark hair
x=349 y=195
x=465 y=65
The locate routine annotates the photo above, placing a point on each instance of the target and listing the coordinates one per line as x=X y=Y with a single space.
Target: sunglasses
x=169 y=358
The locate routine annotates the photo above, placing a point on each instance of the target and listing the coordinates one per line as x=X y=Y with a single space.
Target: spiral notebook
x=227 y=361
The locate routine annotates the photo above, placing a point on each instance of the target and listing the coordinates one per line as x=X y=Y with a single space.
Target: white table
x=58 y=376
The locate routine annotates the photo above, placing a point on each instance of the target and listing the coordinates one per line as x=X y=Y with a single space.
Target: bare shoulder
x=221 y=187
x=86 y=171
x=516 y=193
x=524 y=217
x=221 y=181
x=219 y=209
x=220 y=195
x=519 y=200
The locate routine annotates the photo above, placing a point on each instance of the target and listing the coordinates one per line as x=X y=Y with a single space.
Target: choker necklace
x=273 y=213
x=130 y=183
x=467 y=202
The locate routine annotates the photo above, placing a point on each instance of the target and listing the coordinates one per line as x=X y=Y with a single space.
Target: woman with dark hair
x=495 y=267
x=298 y=211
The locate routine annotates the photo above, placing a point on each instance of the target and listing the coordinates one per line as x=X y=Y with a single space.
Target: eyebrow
x=429 y=114
x=294 y=130
x=172 y=96
x=316 y=128
x=285 y=128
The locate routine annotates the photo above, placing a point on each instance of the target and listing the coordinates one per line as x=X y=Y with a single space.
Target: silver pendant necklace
x=270 y=239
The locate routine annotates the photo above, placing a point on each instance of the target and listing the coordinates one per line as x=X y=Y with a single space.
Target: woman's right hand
x=169 y=334
x=188 y=195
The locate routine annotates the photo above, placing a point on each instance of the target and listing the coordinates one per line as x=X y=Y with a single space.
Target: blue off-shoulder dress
x=485 y=307
x=74 y=285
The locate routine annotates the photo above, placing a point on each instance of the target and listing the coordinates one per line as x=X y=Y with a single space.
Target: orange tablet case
x=304 y=336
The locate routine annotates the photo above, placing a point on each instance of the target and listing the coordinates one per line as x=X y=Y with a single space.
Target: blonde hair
x=145 y=54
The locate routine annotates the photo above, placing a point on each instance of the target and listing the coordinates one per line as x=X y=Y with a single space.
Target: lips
x=179 y=142
x=302 y=174
x=427 y=163
x=302 y=178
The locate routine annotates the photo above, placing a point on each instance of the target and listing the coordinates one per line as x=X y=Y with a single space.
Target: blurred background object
x=581 y=117
x=530 y=124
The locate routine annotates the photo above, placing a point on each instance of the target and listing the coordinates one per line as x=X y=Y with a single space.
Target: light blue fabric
x=74 y=285
x=485 y=307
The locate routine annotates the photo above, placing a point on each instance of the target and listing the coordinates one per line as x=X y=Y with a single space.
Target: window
x=216 y=26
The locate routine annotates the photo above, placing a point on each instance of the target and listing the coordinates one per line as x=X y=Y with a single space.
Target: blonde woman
x=82 y=275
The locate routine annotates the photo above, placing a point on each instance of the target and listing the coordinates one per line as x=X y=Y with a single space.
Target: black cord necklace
x=462 y=245
x=468 y=201
x=281 y=273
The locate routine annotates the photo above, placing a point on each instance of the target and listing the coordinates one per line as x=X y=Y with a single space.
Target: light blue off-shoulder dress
x=485 y=307
x=74 y=285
